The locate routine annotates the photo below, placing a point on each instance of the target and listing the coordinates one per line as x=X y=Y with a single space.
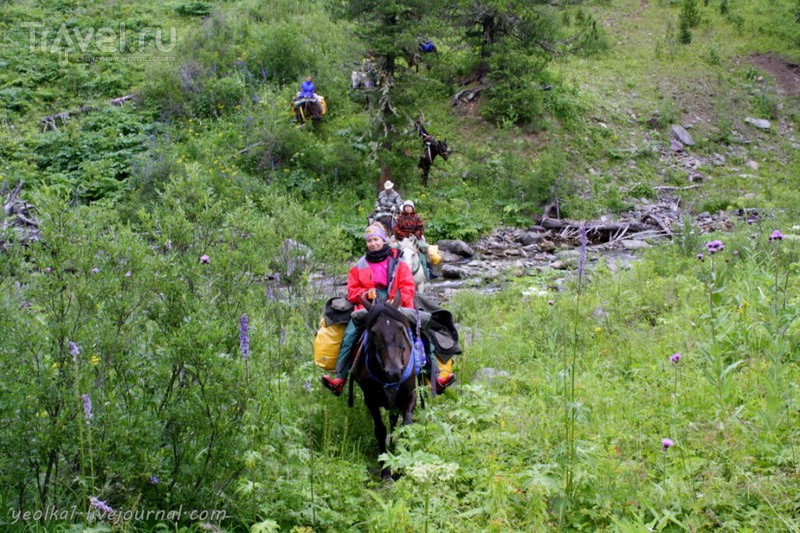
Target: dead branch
x=467 y=95
x=49 y=122
x=18 y=223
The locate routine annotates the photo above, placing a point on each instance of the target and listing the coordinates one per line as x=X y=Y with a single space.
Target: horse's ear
x=396 y=300
x=366 y=303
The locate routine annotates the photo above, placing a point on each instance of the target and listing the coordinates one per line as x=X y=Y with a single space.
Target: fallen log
x=598 y=232
x=467 y=95
x=49 y=122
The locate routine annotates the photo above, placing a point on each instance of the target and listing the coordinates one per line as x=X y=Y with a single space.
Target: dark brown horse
x=306 y=109
x=430 y=149
x=385 y=369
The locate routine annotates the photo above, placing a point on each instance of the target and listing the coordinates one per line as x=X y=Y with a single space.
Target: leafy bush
x=93 y=156
x=195 y=8
x=218 y=96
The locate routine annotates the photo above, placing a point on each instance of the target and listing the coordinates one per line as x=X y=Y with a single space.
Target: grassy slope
x=733 y=464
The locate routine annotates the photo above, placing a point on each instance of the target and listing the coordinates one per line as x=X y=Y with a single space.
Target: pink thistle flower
x=776 y=235
x=204 y=259
x=715 y=246
x=675 y=358
x=95 y=270
x=701 y=257
x=128 y=274
x=666 y=444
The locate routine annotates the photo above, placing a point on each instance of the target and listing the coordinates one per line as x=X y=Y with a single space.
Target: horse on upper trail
x=305 y=109
x=431 y=147
x=410 y=254
x=385 y=369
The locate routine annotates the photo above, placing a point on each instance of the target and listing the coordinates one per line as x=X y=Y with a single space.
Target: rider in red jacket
x=378 y=274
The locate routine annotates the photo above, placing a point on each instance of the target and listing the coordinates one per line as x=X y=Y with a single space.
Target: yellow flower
x=598 y=329
x=94 y=360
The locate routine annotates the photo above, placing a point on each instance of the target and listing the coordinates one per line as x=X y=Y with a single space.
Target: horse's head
x=388 y=337
x=442 y=148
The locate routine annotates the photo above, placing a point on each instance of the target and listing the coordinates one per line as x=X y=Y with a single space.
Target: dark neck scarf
x=378 y=256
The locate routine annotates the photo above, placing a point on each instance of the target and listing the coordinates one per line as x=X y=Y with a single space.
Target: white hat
x=409 y=202
x=388 y=185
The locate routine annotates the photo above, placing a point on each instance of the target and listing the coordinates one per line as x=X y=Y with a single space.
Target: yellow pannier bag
x=445 y=369
x=434 y=255
x=323 y=106
x=326 y=344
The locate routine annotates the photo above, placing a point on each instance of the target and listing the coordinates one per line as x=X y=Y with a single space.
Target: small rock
x=682 y=135
x=675 y=145
x=547 y=246
x=758 y=123
x=490 y=374
x=448 y=257
x=456 y=246
x=451 y=272
x=751 y=164
x=529 y=238
x=632 y=244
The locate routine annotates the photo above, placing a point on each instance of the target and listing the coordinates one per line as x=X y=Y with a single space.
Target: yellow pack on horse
x=305 y=108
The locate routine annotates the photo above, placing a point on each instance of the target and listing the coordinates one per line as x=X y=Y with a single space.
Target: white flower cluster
x=429 y=472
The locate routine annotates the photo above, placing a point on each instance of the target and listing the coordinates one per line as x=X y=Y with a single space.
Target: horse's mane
x=382 y=308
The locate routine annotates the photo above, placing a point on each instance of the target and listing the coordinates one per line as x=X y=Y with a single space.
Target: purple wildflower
x=154 y=480
x=244 y=338
x=675 y=358
x=100 y=505
x=715 y=246
x=74 y=350
x=48 y=270
x=95 y=270
x=307 y=386
x=204 y=259
x=582 y=258
x=776 y=235
x=701 y=257
x=128 y=274
x=666 y=444
x=87 y=407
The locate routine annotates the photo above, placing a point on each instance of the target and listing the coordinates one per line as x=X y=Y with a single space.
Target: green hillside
x=148 y=135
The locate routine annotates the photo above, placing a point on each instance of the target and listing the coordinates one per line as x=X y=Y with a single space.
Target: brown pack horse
x=306 y=109
x=385 y=370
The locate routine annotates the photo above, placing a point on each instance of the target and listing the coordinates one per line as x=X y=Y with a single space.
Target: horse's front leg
x=380 y=436
x=409 y=410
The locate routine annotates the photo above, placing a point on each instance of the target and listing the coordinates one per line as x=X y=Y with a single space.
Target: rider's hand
x=370 y=295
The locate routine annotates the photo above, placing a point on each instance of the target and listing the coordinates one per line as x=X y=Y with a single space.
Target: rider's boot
x=335 y=385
